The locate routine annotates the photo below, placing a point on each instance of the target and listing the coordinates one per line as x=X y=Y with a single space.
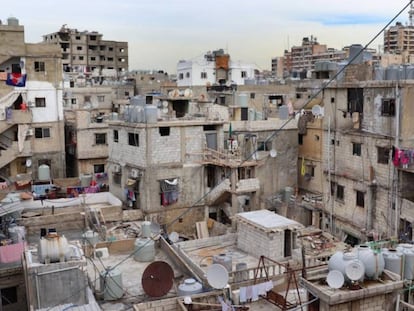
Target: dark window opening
x=209 y=128
x=116 y=138
x=133 y=139
x=40 y=102
x=340 y=192
x=8 y=295
x=356 y=149
x=383 y=155
x=244 y=114
x=300 y=139
x=164 y=131
x=355 y=100
x=98 y=168
x=100 y=138
x=39 y=66
x=388 y=107
x=360 y=198
x=41 y=132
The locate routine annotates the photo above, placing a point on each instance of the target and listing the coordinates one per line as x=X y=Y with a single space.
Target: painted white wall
x=54 y=103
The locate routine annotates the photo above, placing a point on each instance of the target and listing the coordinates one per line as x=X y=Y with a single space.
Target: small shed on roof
x=266 y=233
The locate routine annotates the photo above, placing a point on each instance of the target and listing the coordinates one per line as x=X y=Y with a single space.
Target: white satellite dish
x=355 y=270
x=28 y=162
x=164 y=110
x=165 y=104
x=273 y=153
x=317 y=111
x=217 y=276
x=335 y=279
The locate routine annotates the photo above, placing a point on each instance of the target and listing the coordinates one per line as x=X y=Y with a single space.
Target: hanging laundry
x=16 y=79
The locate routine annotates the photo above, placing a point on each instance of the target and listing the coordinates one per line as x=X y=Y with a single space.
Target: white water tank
x=224 y=260
x=111 y=284
x=144 y=250
x=408 y=253
x=393 y=261
x=44 y=172
x=151 y=114
x=373 y=261
x=53 y=248
x=189 y=287
x=146 y=229
x=242 y=100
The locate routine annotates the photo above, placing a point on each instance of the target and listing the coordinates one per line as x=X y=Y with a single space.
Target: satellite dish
x=217 y=276
x=157 y=279
x=317 y=110
x=335 y=279
x=355 y=270
x=164 y=110
x=273 y=153
x=28 y=162
x=165 y=104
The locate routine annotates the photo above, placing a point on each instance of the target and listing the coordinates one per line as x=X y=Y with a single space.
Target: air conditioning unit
x=117 y=168
x=30 y=132
x=135 y=173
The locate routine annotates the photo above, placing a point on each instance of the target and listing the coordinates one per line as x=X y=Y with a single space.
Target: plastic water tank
x=393 y=261
x=151 y=114
x=189 y=287
x=111 y=284
x=224 y=260
x=146 y=229
x=340 y=261
x=144 y=250
x=408 y=253
x=283 y=112
x=44 y=172
x=241 y=275
x=373 y=261
x=53 y=248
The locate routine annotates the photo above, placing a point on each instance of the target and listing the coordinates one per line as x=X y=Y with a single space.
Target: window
x=264 y=145
x=252 y=95
x=8 y=295
x=340 y=192
x=181 y=76
x=110 y=48
x=117 y=176
x=244 y=114
x=310 y=169
x=110 y=59
x=98 y=168
x=80 y=57
x=169 y=191
x=209 y=127
x=101 y=98
x=40 y=102
x=355 y=100
x=133 y=139
x=300 y=139
x=39 y=66
x=356 y=149
x=360 y=198
x=187 y=74
x=78 y=37
x=164 y=131
x=73 y=101
x=86 y=99
x=388 y=107
x=116 y=136
x=383 y=155
x=93 y=58
x=79 y=48
x=42 y=132
x=100 y=138
x=244 y=74
x=204 y=75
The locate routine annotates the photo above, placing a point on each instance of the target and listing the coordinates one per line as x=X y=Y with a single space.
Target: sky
x=162 y=32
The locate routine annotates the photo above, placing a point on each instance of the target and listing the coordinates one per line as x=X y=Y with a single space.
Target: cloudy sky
x=161 y=32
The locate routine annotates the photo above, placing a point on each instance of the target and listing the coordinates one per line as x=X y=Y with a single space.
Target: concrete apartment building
x=32 y=126
x=214 y=67
x=86 y=52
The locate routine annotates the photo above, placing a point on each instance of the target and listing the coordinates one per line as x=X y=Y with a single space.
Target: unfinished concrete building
x=86 y=53
x=31 y=122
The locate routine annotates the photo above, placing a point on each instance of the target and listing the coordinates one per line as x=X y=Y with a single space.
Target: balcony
x=247 y=185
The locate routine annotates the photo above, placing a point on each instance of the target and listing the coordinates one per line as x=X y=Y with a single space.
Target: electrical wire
x=269 y=138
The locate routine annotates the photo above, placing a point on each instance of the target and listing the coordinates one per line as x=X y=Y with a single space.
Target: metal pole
x=397 y=145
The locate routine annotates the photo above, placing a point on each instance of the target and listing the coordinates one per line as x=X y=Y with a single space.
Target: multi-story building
x=86 y=52
x=31 y=110
x=213 y=68
x=301 y=59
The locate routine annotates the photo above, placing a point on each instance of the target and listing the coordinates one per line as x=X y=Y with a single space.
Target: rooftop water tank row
x=395 y=72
